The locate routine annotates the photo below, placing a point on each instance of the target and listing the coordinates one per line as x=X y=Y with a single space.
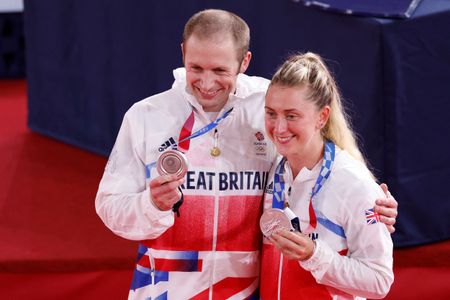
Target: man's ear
x=245 y=62
x=182 y=51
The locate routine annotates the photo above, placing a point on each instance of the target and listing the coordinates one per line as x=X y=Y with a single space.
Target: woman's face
x=292 y=122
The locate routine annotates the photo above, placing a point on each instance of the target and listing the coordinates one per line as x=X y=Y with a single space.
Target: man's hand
x=164 y=191
x=387 y=209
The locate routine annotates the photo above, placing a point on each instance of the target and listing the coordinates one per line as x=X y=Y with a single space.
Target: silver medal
x=274 y=220
x=172 y=162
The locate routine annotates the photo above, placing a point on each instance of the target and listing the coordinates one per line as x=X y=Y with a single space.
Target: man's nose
x=207 y=81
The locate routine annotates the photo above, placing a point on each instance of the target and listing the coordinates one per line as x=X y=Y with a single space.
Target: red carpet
x=53 y=245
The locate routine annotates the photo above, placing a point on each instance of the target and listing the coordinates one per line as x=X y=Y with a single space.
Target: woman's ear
x=324 y=115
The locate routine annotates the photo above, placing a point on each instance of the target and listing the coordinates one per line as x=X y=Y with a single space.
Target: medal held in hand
x=172 y=162
x=274 y=220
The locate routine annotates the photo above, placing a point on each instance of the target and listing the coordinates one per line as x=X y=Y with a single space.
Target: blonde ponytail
x=309 y=70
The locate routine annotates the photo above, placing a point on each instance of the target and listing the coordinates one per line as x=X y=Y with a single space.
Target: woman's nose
x=280 y=125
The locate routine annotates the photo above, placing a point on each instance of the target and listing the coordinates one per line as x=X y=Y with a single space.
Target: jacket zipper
x=280 y=272
x=216 y=221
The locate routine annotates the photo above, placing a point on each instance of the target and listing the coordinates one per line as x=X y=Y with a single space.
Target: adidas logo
x=269 y=188
x=166 y=144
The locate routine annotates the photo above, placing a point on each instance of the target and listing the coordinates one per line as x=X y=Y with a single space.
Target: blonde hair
x=212 y=22
x=308 y=70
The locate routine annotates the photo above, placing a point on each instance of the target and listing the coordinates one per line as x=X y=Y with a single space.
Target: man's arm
x=124 y=201
x=387 y=208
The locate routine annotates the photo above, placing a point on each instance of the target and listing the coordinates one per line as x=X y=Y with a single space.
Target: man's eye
x=220 y=72
x=270 y=114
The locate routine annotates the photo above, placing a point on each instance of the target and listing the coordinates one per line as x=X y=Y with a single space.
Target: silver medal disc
x=273 y=220
x=172 y=162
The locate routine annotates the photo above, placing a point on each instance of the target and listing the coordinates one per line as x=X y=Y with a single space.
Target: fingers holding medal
x=172 y=165
x=277 y=227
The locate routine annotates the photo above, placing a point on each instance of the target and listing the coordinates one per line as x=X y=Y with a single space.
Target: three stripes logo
x=166 y=144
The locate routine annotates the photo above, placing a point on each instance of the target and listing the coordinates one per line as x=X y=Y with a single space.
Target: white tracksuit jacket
x=352 y=259
x=212 y=249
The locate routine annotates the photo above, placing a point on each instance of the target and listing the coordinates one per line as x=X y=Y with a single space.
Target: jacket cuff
x=321 y=259
x=153 y=213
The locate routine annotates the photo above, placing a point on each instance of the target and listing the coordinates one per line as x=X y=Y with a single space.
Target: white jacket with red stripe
x=353 y=254
x=212 y=249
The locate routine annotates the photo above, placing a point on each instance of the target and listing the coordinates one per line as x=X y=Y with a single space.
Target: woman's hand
x=293 y=245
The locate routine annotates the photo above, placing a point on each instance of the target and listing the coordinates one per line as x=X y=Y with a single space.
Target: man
x=208 y=247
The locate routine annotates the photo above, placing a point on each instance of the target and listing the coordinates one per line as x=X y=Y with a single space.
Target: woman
x=339 y=249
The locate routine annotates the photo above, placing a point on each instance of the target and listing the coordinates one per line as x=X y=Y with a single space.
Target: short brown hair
x=209 y=22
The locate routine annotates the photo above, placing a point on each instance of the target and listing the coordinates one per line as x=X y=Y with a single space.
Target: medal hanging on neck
x=279 y=184
x=279 y=217
x=174 y=161
x=215 y=151
x=186 y=136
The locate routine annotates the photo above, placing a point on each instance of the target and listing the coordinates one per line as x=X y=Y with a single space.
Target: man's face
x=212 y=68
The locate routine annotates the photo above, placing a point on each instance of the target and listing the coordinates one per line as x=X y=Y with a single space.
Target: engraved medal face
x=273 y=220
x=172 y=162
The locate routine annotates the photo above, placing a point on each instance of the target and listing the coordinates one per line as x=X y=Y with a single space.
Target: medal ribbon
x=325 y=171
x=185 y=133
x=183 y=145
x=278 y=185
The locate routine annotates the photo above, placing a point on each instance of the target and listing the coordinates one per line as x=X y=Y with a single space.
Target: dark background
x=89 y=61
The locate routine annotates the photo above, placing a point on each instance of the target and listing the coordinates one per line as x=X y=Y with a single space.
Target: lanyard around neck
x=279 y=183
x=185 y=133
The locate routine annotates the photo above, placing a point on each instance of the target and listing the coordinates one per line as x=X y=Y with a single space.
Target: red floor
x=53 y=245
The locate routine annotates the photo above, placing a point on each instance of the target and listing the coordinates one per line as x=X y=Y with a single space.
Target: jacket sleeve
x=366 y=271
x=123 y=200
